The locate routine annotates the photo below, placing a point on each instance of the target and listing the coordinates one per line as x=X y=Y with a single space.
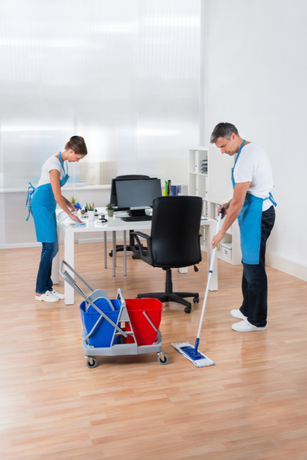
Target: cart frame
x=118 y=349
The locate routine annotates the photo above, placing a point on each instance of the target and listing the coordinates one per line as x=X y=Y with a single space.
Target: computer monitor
x=137 y=195
x=113 y=196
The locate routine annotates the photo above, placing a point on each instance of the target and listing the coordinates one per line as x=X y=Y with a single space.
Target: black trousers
x=254 y=280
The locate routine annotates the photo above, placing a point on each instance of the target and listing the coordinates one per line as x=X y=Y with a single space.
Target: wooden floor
x=251 y=405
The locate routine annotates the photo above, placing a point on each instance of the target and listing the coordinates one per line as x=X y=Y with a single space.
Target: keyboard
x=136 y=218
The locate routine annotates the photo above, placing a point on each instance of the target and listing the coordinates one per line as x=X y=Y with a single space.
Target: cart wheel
x=91 y=362
x=196 y=299
x=163 y=361
x=188 y=309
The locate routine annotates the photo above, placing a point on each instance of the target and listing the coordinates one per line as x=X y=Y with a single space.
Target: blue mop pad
x=193 y=355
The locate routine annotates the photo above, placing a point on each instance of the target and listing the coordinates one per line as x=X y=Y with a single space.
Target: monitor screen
x=137 y=193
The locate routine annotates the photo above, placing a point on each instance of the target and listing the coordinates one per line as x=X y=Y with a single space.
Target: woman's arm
x=69 y=204
x=56 y=188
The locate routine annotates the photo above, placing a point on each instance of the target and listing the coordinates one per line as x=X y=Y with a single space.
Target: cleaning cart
x=116 y=327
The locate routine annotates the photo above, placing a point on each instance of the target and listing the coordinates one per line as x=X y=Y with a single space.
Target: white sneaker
x=237 y=314
x=246 y=326
x=57 y=294
x=47 y=297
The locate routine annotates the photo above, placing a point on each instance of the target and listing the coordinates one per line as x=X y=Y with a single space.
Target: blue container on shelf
x=103 y=333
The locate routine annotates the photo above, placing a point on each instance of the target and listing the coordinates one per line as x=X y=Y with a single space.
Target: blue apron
x=249 y=221
x=41 y=204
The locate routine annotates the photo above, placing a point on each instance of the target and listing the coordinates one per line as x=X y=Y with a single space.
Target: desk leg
x=125 y=254
x=56 y=265
x=114 y=252
x=69 y=241
x=105 y=250
x=211 y=231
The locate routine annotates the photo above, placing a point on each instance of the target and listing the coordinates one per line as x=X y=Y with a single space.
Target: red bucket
x=143 y=330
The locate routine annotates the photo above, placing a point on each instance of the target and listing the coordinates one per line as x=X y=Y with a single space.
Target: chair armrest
x=145 y=257
x=141 y=234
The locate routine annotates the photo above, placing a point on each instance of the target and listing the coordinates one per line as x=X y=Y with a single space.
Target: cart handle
x=72 y=283
x=120 y=297
x=69 y=279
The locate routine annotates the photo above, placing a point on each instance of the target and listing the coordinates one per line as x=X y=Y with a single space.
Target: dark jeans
x=254 y=281
x=44 y=281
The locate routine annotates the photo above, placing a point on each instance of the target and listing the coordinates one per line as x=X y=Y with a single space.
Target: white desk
x=114 y=225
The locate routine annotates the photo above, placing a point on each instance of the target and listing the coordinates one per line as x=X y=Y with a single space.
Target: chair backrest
x=175 y=240
x=113 y=196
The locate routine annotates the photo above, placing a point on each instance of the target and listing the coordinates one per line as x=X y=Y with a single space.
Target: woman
x=42 y=203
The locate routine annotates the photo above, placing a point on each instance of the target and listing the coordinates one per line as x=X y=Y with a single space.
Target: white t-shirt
x=254 y=166
x=49 y=165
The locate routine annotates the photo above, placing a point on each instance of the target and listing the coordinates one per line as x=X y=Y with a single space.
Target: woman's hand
x=75 y=218
x=71 y=206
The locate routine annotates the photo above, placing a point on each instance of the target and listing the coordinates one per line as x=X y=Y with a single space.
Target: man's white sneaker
x=47 y=297
x=57 y=294
x=246 y=326
x=237 y=314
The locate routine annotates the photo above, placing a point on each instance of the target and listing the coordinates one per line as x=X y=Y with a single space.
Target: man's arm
x=233 y=211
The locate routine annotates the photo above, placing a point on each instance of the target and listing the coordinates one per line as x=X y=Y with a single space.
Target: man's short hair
x=223 y=130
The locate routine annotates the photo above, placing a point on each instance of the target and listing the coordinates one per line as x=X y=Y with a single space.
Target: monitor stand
x=137 y=212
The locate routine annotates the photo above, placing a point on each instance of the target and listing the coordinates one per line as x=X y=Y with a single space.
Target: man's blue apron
x=250 y=223
x=41 y=204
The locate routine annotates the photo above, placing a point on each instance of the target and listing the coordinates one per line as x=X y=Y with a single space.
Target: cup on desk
x=91 y=215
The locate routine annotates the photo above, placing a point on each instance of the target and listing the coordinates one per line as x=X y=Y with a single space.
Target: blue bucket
x=103 y=333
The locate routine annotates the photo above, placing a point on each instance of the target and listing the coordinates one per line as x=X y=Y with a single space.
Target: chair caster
x=187 y=309
x=196 y=299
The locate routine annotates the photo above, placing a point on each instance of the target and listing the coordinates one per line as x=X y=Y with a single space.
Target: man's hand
x=217 y=238
x=224 y=208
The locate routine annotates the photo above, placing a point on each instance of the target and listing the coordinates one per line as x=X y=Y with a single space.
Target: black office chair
x=113 y=199
x=174 y=242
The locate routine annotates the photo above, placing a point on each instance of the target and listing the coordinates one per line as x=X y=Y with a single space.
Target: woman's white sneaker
x=237 y=314
x=47 y=297
x=57 y=294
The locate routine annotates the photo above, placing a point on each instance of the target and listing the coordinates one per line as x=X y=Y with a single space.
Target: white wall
x=256 y=78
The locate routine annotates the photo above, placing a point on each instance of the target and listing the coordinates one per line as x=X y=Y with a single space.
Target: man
x=252 y=203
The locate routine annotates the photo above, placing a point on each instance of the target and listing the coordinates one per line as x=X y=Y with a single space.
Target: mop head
x=195 y=356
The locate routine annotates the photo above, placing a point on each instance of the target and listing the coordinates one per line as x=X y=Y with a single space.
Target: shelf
x=215 y=188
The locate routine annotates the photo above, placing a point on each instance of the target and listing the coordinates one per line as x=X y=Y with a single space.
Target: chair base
x=129 y=247
x=170 y=296
x=120 y=248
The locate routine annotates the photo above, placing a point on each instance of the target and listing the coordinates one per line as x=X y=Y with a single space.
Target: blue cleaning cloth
x=83 y=224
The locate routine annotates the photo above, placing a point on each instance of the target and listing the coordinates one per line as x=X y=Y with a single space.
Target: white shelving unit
x=210 y=178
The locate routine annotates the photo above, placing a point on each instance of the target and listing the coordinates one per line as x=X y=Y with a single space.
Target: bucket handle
x=152 y=325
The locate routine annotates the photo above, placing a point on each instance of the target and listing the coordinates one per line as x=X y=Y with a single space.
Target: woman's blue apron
x=41 y=204
x=250 y=223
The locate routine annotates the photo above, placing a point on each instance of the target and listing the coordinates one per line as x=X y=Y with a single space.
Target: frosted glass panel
x=124 y=74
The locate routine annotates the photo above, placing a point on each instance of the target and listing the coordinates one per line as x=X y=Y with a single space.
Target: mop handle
x=208 y=282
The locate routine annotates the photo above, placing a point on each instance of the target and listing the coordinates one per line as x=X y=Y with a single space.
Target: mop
x=186 y=348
